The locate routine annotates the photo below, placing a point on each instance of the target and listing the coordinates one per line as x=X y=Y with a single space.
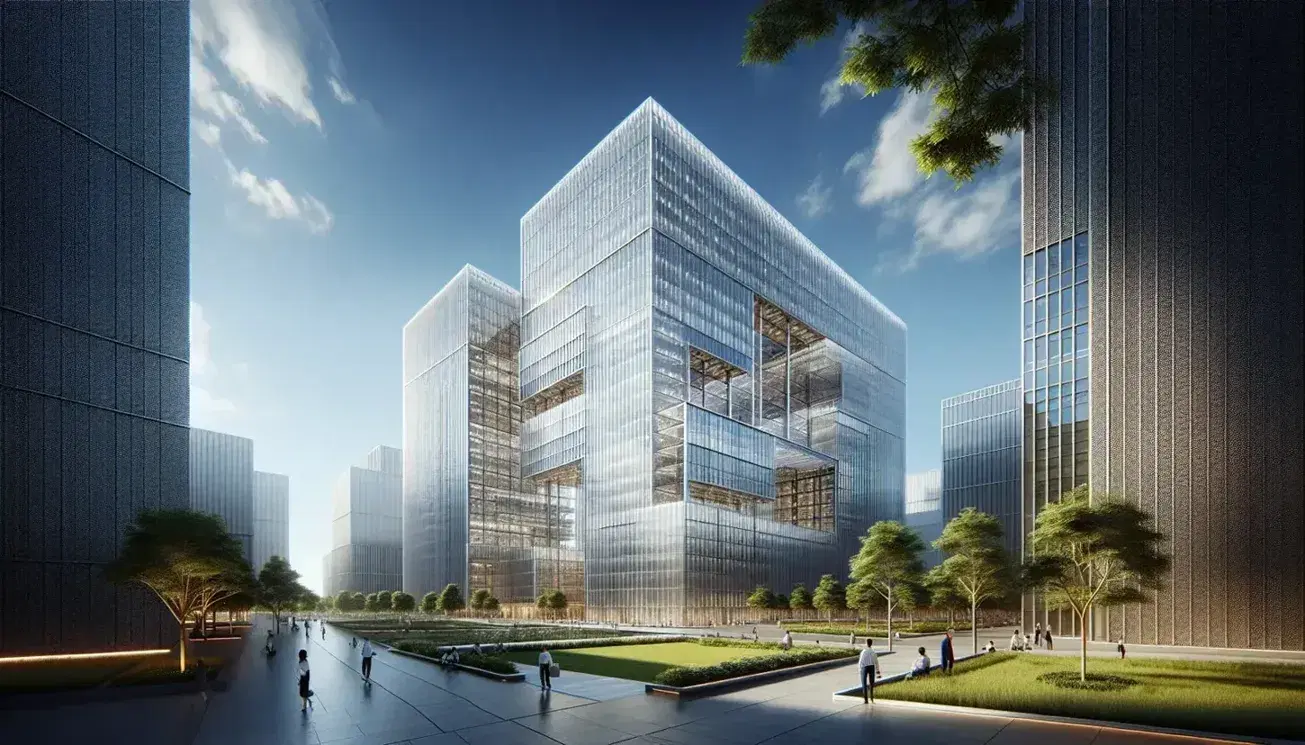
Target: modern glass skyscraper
x=94 y=312
x=271 y=518
x=924 y=511
x=982 y=432
x=222 y=481
x=726 y=402
x=469 y=518
x=367 y=526
x=1163 y=294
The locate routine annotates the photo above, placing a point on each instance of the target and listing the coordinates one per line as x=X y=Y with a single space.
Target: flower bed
x=691 y=675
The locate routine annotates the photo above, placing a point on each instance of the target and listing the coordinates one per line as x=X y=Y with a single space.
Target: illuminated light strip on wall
x=83 y=656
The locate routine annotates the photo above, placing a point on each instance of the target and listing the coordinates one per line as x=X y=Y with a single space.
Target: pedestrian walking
x=1122 y=652
x=367 y=655
x=545 y=668
x=1046 y=637
x=869 y=665
x=947 y=656
x=1037 y=634
x=851 y=638
x=323 y=631
x=305 y=693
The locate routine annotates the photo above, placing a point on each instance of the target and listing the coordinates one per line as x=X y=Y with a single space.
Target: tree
x=781 y=601
x=278 y=588
x=976 y=561
x=556 y=601
x=184 y=557
x=969 y=54
x=761 y=597
x=430 y=602
x=1094 y=551
x=385 y=600
x=403 y=602
x=450 y=600
x=912 y=596
x=800 y=598
x=889 y=558
x=478 y=599
x=358 y=601
x=830 y=596
x=491 y=604
x=943 y=594
x=326 y=605
x=308 y=600
x=344 y=601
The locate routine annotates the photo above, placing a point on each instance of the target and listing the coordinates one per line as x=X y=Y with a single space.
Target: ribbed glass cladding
x=981 y=440
x=723 y=403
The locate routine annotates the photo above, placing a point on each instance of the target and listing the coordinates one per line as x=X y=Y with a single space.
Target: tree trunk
x=1082 y=660
x=890 y=627
x=181 y=645
x=974 y=628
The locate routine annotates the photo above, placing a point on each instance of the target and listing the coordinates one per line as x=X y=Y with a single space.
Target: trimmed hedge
x=488 y=662
x=877 y=628
x=711 y=641
x=610 y=641
x=690 y=675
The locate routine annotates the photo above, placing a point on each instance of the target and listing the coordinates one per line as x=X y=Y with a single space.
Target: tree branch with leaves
x=1093 y=551
x=969 y=55
x=889 y=559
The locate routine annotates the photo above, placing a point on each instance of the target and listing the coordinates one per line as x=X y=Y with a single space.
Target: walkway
x=411 y=702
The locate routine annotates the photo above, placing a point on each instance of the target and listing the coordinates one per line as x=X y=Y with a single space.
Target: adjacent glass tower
x=469 y=517
x=924 y=511
x=982 y=433
x=1163 y=295
x=94 y=312
x=222 y=482
x=725 y=402
x=367 y=526
x=271 y=518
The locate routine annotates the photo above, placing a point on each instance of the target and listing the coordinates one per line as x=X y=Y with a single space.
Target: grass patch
x=642 y=662
x=1255 y=699
x=876 y=628
x=1094 y=681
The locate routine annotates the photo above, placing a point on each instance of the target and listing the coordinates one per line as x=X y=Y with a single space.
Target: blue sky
x=348 y=157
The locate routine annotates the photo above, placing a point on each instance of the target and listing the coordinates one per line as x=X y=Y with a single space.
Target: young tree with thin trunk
x=450 y=599
x=178 y=555
x=1094 y=551
x=976 y=563
x=761 y=598
x=830 y=596
x=403 y=602
x=278 y=588
x=800 y=598
x=430 y=602
x=889 y=558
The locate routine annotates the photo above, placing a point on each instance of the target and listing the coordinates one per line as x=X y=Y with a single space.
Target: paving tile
x=448 y=738
x=504 y=733
x=1032 y=732
x=572 y=730
x=453 y=717
x=331 y=734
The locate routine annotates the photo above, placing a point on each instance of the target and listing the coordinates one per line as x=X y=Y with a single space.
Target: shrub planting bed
x=1237 y=698
x=639 y=661
x=877 y=628
x=769 y=658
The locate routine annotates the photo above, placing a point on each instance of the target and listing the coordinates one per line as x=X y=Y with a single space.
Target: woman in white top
x=305 y=693
x=545 y=665
x=869 y=665
x=786 y=643
x=1016 y=642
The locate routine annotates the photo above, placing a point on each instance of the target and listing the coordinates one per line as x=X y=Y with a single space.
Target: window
x=1066 y=254
x=1040 y=265
x=1028 y=269
x=1081 y=249
x=1081 y=340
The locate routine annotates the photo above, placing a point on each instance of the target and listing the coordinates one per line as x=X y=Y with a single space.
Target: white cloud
x=207 y=131
x=205 y=407
x=258 y=42
x=889 y=170
x=817 y=199
x=974 y=220
x=832 y=91
x=342 y=94
x=210 y=98
x=278 y=203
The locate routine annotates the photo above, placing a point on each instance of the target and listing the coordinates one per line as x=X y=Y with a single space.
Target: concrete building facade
x=94 y=312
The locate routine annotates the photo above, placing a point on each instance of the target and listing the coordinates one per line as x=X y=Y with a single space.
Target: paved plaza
x=414 y=702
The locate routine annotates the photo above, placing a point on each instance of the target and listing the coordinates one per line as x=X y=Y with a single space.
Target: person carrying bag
x=546 y=670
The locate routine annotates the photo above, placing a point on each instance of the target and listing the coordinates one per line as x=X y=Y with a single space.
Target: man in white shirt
x=869 y=664
x=545 y=663
x=367 y=655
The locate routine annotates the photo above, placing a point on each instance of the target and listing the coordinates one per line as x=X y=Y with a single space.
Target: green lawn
x=638 y=662
x=1257 y=699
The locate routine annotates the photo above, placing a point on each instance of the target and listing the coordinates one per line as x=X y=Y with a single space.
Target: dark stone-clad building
x=94 y=311
x=1162 y=292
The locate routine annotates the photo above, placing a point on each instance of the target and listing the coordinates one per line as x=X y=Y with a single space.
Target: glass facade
x=730 y=403
x=472 y=515
x=94 y=312
x=222 y=481
x=1184 y=296
x=982 y=435
x=367 y=526
x=271 y=518
x=924 y=511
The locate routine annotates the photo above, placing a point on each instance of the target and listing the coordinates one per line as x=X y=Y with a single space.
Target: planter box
x=747 y=681
x=511 y=678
